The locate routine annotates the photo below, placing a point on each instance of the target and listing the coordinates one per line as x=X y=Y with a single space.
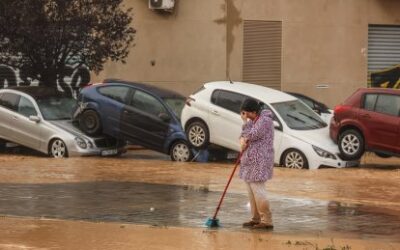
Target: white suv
x=211 y=115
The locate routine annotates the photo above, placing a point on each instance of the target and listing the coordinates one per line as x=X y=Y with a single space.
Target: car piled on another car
x=211 y=115
x=141 y=114
x=369 y=120
x=40 y=118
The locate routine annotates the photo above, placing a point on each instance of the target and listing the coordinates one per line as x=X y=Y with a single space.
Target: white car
x=211 y=115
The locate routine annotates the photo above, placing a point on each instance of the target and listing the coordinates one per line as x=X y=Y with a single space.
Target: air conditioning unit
x=167 y=5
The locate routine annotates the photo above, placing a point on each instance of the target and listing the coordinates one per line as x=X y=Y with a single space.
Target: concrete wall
x=324 y=42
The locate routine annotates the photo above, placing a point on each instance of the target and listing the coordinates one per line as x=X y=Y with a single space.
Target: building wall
x=324 y=43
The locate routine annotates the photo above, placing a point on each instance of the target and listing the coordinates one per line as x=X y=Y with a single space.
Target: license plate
x=352 y=163
x=109 y=152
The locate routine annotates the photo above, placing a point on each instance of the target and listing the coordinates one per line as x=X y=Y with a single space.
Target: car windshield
x=176 y=104
x=56 y=108
x=298 y=116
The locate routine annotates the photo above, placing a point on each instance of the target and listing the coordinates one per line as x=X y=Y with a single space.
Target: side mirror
x=164 y=117
x=34 y=118
x=276 y=124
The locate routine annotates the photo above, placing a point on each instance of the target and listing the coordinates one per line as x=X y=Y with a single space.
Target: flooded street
x=143 y=193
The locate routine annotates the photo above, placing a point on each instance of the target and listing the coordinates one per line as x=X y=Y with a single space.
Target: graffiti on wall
x=69 y=82
x=388 y=78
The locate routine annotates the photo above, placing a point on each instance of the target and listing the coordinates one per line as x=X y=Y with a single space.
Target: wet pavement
x=190 y=206
x=144 y=188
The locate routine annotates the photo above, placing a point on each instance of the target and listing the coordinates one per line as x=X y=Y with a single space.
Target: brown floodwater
x=146 y=188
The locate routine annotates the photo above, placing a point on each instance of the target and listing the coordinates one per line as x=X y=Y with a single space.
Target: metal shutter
x=383 y=47
x=262 y=53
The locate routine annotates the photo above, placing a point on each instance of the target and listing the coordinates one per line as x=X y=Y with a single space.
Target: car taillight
x=340 y=108
x=189 y=100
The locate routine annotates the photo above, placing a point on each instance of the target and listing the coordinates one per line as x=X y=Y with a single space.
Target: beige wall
x=323 y=42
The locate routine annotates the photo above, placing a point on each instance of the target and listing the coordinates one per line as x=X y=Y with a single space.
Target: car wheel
x=90 y=123
x=383 y=155
x=2 y=145
x=58 y=149
x=198 y=135
x=180 y=151
x=293 y=158
x=351 y=145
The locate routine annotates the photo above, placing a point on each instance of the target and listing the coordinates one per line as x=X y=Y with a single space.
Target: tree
x=43 y=37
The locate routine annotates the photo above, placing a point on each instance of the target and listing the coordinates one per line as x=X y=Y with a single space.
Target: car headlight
x=80 y=142
x=323 y=153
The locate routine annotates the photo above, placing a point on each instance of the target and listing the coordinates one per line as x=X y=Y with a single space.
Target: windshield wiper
x=296 y=118
x=314 y=119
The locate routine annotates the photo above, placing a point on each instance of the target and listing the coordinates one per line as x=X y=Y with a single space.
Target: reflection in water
x=170 y=205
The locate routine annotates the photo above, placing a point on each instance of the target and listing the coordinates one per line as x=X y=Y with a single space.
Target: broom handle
x=227 y=185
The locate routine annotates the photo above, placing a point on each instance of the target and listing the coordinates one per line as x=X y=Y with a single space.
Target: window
x=228 y=100
x=118 y=93
x=369 y=101
x=26 y=108
x=9 y=100
x=388 y=104
x=147 y=103
x=298 y=116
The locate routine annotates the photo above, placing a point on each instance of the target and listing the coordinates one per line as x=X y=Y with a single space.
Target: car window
x=228 y=100
x=9 y=100
x=298 y=116
x=118 y=93
x=307 y=101
x=388 y=104
x=56 y=107
x=176 y=104
x=147 y=103
x=369 y=101
x=25 y=107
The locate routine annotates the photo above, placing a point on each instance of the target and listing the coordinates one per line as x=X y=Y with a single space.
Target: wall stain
x=231 y=19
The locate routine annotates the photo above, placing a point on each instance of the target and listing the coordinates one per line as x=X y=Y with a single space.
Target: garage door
x=262 y=53
x=384 y=55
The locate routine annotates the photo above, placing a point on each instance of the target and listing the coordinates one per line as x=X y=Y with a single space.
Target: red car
x=369 y=120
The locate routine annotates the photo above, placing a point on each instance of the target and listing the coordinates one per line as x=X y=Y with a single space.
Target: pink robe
x=257 y=161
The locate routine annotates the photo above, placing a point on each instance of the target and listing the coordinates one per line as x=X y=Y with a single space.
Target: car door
x=25 y=131
x=145 y=121
x=8 y=107
x=112 y=105
x=225 y=122
x=380 y=117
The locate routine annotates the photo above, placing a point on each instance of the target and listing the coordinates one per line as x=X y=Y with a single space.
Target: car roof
x=161 y=92
x=37 y=92
x=380 y=90
x=259 y=92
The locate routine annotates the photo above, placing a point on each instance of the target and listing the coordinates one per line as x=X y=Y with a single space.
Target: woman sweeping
x=256 y=166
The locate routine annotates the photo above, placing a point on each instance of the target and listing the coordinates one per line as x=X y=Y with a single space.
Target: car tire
x=198 y=135
x=2 y=145
x=383 y=155
x=351 y=145
x=180 y=151
x=58 y=149
x=294 y=158
x=89 y=122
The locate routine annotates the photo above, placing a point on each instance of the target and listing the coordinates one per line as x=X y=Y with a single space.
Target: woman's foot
x=263 y=226
x=250 y=223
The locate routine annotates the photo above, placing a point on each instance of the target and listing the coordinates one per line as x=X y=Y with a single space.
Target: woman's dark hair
x=250 y=105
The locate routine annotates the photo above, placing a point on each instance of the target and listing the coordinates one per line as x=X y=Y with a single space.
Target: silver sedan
x=40 y=118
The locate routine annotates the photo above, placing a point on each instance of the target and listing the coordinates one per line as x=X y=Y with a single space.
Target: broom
x=214 y=222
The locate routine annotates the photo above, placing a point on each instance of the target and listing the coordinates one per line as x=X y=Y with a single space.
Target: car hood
x=317 y=137
x=68 y=126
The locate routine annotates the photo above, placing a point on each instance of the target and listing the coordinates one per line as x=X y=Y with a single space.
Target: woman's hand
x=243 y=143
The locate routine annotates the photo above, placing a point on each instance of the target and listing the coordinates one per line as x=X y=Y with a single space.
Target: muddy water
x=146 y=188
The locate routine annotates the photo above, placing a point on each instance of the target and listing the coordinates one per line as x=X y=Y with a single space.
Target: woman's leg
x=261 y=202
